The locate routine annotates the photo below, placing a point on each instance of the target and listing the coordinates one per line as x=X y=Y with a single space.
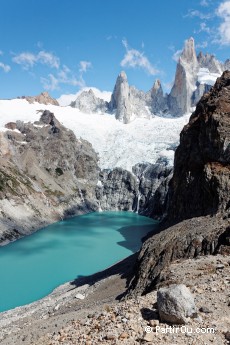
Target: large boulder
x=175 y=304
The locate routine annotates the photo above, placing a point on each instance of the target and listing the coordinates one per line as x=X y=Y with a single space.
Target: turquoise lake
x=33 y=266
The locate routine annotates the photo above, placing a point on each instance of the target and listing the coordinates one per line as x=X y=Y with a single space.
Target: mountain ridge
x=195 y=75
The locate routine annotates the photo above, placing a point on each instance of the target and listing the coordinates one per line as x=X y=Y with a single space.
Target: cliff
x=199 y=202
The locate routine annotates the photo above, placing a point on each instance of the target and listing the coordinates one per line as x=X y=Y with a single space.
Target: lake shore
x=106 y=286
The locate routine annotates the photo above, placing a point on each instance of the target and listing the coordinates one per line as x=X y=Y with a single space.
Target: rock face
x=43 y=98
x=144 y=191
x=176 y=304
x=156 y=99
x=199 y=203
x=127 y=102
x=87 y=102
x=201 y=180
x=36 y=161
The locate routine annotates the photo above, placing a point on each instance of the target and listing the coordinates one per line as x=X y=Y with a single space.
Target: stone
x=153 y=323
x=124 y=335
x=175 y=304
x=110 y=336
x=220 y=266
x=149 y=337
x=205 y=310
x=11 y=125
x=227 y=336
x=80 y=296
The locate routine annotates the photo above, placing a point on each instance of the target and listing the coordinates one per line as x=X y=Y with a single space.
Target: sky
x=62 y=46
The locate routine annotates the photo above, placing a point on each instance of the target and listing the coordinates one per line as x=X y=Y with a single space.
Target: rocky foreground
x=100 y=319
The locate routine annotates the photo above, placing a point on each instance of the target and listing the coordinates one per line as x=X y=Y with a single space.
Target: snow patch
x=117 y=144
x=207 y=77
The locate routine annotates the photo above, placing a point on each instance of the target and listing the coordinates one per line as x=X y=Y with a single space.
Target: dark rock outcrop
x=201 y=180
x=143 y=191
x=199 y=195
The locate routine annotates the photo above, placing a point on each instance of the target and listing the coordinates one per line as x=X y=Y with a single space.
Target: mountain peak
x=123 y=76
x=42 y=98
x=189 y=53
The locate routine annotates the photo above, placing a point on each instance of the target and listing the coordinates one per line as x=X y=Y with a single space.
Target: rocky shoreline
x=103 y=318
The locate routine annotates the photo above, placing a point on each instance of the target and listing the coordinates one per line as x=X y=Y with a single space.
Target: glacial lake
x=33 y=266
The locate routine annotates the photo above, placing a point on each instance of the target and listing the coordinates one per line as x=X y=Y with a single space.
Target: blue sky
x=62 y=46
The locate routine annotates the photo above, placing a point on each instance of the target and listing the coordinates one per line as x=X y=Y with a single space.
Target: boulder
x=175 y=304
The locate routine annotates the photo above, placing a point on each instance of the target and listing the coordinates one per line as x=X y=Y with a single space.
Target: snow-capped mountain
x=195 y=74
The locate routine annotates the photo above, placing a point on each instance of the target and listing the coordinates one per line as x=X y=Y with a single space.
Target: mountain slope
x=199 y=195
x=36 y=161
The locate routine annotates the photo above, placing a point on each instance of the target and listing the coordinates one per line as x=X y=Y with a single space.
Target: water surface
x=33 y=266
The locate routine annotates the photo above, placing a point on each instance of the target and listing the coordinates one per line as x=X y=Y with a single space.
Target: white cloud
x=199 y=14
x=223 y=12
x=6 y=68
x=177 y=54
x=203 y=44
x=84 y=66
x=51 y=83
x=205 y=3
x=204 y=28
x=49 y=59
x=136 y=59
x=64 y=76
x=27 y=60
x=1 y=52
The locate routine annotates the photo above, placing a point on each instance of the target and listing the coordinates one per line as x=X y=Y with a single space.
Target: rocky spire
x=158 y=101
x=185 y=79
x=120 y=99
x=188 y=54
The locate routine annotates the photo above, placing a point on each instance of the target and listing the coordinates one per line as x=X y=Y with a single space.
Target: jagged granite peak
x=194 y=76
x=126 y=101
x=185 y=80
x=156 y=100
x=42 y=98
x=209 y=61
x=120 y=99
x=188 y=54
x=87 y=102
